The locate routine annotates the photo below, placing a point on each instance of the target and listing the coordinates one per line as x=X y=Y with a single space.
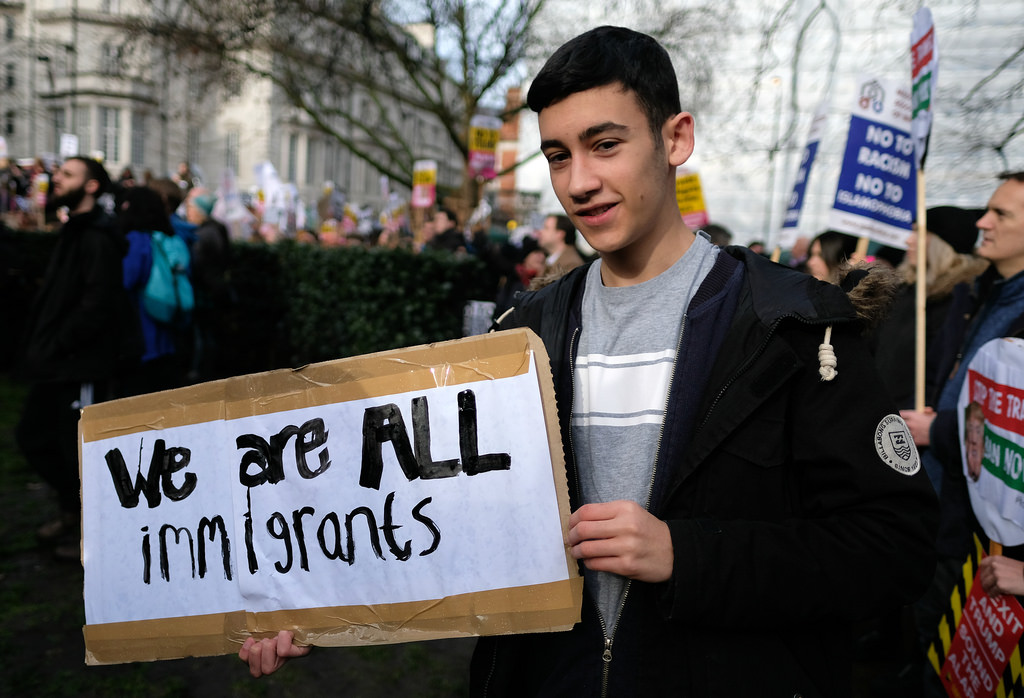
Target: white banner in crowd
x=876 y=193
x=788 y=234
x=68 y=145
x=424 y=183
x=991 y=419
x=924 y=59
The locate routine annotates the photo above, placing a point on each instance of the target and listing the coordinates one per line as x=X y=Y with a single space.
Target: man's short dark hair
x=1015 y=176
x=606 y=56
x=449 y=213
x=94 y=170
x=563 y=223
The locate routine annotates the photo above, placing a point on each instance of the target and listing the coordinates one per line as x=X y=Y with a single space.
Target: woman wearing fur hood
x=952 y=233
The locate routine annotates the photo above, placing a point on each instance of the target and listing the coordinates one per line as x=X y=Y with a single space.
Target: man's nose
x=583 y=181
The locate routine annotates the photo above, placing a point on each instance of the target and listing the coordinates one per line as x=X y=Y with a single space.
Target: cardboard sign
x=986 y=637
x=690 y=199
x=991 y=418
x=407 y=495
x=876 y=193
x=424 y=183
x=484 y=134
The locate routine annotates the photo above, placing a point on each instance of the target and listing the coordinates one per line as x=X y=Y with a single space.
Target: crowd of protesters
x=89 y=315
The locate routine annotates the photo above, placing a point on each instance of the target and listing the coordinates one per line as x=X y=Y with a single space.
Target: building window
x=110 y=60
x=10 y=75
x=9 y=128
x=293 y=155
x=9 y=28
x=138 y=138
x=83 y=129
x=330 y=161
x=57 y=121
x=232 y=85
x=110 y=6
x=372 y=181
x=110 y=131
x=192 y=145
x=344 y=167
x=195 y=87
x=312 y=155
x=231 y=150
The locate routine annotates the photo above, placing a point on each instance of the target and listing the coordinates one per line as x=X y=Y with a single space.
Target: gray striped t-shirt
x=627 y=350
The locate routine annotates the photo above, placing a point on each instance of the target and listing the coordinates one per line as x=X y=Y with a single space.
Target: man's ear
x=678 y=134
x=91 y=186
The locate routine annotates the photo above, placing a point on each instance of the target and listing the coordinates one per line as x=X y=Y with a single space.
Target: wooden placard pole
x=921 y=296
x=862 y=249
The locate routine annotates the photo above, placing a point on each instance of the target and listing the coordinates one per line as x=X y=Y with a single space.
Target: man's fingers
x=256 y=659
x=268 y=655
x=594 y=512
x=286 y=646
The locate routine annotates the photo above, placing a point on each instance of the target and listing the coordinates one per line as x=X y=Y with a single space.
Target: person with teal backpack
x=156 y=273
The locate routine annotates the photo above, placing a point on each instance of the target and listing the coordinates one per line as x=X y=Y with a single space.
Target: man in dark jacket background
x=73 y=340
x=736 y=501
x=990 y=307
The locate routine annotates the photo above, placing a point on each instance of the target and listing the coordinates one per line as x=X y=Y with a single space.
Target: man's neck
x=87 y=204
x=646 y=258
x=1010 y=267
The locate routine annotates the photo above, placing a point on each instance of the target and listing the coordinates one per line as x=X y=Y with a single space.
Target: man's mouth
x=594 y=211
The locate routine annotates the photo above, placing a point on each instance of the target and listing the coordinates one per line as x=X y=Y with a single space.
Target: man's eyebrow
x=551 y=143
x=586 y=134
x=599 y=129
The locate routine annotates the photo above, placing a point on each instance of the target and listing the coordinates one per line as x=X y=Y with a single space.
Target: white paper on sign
x=318 y=538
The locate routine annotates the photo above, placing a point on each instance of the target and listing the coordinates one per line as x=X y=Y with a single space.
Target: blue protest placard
x=875 y=196
x=796 y=198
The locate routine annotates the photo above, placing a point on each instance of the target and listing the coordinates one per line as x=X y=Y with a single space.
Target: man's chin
x=71 y=199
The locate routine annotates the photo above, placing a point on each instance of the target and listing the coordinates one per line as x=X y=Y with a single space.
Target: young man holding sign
x=733 y=511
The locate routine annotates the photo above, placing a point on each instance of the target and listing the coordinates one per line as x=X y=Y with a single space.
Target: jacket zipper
x=740 y=371
x=606 y=654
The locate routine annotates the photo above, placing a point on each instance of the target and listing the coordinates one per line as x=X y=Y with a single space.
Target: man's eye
x=555 y=158
x=607 y=145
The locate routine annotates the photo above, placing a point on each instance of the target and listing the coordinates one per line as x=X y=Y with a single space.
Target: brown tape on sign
x=278 y=468
x=545 y=608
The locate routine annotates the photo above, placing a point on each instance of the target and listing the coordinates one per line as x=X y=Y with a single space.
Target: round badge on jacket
x=895 y=446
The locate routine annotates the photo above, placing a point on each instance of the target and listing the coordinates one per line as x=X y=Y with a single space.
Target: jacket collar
x=778 y=292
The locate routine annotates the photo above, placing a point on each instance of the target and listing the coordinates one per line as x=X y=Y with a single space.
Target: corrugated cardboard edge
x=553 y=607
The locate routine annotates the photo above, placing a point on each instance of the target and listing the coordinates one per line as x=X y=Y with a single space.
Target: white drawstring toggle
x=827 y=357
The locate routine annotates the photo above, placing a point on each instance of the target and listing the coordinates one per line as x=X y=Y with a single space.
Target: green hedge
x=296 y=304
